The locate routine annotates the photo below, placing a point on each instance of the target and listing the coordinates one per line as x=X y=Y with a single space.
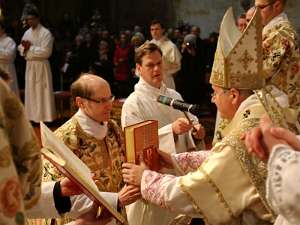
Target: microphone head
x=164 y=99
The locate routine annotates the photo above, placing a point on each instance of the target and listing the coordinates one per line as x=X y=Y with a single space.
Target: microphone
x=181 y=105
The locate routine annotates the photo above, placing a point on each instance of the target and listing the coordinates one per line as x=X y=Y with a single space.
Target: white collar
x=282 y=17
x=146 y=89
x=90 y=126
x=158 y=42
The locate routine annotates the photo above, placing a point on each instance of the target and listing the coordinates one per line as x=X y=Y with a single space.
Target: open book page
x=72 y=167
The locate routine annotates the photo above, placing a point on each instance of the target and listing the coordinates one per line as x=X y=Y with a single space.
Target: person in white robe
x=171 y=54
x=174 y=129
x=36 y=47
x=281 y=148
x=7 y=57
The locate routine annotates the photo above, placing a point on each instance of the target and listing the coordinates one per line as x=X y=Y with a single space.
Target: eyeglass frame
x=109 y=99
x=224 y=90
x=261 y=7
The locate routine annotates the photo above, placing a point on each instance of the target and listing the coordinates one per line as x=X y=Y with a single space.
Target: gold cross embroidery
x=246 y=59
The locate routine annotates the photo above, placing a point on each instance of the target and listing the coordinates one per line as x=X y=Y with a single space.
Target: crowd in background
x=90 y=46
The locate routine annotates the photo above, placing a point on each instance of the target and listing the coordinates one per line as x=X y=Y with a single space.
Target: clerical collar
x=90 y=126
x=158 y=42
x=280 y=18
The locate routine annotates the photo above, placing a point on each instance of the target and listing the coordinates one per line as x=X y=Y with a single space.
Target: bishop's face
x=222 y=99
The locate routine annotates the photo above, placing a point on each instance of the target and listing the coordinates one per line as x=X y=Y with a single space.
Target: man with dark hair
x=171 y=55
x=36 y=48
x=7 y=57
x=175 y=131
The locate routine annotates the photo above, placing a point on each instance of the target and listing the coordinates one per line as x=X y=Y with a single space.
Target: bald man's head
x=250 y=14
x=93 y=96
x=86 y=85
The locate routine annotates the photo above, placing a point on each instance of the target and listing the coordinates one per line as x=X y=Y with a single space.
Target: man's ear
x=138 y=67
x=278 y=5
x=234 y=95
x=79 y=102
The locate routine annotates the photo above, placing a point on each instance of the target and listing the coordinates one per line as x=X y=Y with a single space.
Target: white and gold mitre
x=238 y=58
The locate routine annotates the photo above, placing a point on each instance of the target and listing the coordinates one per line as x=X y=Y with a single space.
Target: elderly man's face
x=222 y=99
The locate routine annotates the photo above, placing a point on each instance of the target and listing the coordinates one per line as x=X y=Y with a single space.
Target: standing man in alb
x=36 y=48
x=171 y=54
x=7 y=57
x=175 y=131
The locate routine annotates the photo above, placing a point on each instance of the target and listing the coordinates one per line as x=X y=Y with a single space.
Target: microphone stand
x=189 y=119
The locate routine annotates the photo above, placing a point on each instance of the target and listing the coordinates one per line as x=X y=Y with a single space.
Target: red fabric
x=122 y=70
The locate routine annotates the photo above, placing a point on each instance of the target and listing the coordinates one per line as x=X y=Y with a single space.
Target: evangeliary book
x=141 y=142
x=72 y=167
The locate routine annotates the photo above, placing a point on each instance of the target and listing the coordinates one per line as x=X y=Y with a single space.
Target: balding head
x=86 y=85
x=93 y=96
x=250 y=14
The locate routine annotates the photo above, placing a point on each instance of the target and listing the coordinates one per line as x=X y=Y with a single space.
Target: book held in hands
x=141 y=141
x=72 y=167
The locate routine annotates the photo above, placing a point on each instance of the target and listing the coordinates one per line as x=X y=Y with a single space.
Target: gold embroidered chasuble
x=20 y=160
x=103 y=157
x=229 y=186
x=281 y=59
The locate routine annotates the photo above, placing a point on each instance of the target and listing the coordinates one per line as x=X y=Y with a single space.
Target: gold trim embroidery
x=194 y=204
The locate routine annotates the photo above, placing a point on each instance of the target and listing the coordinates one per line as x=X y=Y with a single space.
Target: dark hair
x=32 y=12
x=146 y=49
x=153 y=22
x=242 y=16
x=80 y=89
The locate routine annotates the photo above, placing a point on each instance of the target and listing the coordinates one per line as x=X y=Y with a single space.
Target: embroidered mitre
x=238 y=58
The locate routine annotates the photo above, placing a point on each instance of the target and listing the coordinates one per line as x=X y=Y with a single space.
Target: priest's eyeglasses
x=101 y=100
x=261 y=7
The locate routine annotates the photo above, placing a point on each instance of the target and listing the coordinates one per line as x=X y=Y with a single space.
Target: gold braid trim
x=194 y=204
x=253 y=166
x=217 y=190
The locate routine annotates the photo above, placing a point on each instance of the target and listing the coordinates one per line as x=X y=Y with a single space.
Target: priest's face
x=156 y=31
x=99 y=105
x=269 y=9
x=32 y=21
x=150 y=68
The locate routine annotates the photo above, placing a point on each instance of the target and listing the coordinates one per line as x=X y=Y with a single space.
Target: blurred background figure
x=242 y=22
x=7 y=57
x=36 y=48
